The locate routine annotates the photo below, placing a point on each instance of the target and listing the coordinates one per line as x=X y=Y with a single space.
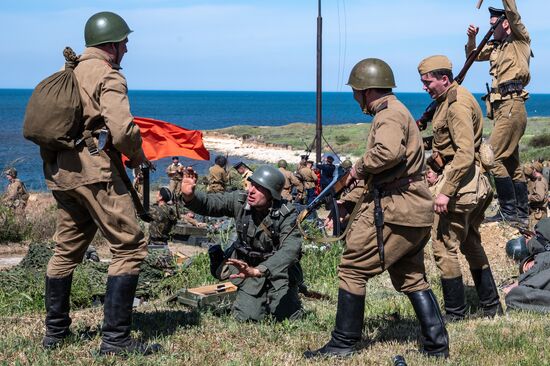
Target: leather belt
x=392 y=186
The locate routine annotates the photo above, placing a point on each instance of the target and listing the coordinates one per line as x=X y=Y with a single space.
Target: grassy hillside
x=349 y=139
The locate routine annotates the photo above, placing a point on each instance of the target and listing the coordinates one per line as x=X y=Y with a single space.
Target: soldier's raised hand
x=188 y=184
x=472 y=31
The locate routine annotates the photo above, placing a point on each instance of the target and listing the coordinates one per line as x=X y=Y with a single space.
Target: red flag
x=162 y=139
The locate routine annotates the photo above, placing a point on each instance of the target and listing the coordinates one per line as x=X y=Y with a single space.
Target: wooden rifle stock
x=428 y=114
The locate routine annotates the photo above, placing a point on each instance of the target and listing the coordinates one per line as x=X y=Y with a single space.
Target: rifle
x=336 y=187
x=428 y=114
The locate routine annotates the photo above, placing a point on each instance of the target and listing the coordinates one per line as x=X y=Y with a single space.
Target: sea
x=206 y=110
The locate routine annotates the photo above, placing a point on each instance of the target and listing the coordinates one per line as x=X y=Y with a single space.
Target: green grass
x=193 y=338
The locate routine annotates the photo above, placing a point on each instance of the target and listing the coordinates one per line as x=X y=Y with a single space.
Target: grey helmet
x=516 y=248
x=270 y=178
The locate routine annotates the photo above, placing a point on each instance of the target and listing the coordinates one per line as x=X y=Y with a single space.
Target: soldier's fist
x=472 y=31
x=188 y=184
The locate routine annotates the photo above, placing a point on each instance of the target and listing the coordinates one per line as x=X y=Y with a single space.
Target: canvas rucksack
x=53 y=118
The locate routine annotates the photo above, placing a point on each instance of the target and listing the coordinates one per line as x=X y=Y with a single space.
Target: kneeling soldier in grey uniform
x=264 y=260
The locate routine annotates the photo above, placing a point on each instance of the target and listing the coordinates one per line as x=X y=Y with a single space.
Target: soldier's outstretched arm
x=514 y=19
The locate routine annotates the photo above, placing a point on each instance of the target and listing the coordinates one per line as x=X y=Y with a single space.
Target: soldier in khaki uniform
x=264 y=260
x=175 y=172
x=217 y=176
x=91 y=195
x=393 y=166
x=309 y=178
x=245 y=172
x=508 y=54
x=290 y=182
x=16 y=195
x=462 y=192
x=537 y=187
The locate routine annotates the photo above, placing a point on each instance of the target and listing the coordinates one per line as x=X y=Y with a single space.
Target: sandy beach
x=252 y=150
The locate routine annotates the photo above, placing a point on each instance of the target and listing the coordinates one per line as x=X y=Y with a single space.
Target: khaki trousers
x=456 y=231
x=80 y=212
x=403 y=249
x=510 y=120
x=175 y=186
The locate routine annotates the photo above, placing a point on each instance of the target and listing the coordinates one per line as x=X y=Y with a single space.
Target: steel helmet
x=270 y=178
x=282 y=163
x=517 y=248
x=346 y=164
x=371 y=73
x=105 y=27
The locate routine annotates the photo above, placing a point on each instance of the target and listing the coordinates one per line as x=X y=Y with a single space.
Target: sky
x=260 y=45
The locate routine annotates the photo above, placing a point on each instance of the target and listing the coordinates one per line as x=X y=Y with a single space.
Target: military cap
x=432 y=63
x=537 y=166
x=175 y=157
x=240 y=164
x=495 y=12
x=12 y=172
x=166 y=194
x=330 y=157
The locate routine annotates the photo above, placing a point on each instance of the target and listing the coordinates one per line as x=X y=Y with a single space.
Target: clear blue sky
x=260 y=45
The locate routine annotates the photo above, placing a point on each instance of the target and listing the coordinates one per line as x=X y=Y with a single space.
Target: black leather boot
x=435 y=340
x=453 y=296
x=58 y=292
x=522 y=203
x=118 y=318
x=487 y=292
x=348 y=329
x=506 y=200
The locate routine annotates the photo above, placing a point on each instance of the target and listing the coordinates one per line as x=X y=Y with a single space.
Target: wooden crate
x=221 y=294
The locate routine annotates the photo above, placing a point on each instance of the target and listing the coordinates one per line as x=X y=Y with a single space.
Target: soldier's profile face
x=500 y=31
x=433 y=86
x=258 y=196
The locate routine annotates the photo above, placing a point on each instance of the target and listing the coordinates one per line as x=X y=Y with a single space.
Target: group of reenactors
x=398 y=214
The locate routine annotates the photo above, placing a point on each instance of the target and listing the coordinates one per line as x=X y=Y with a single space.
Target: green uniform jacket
x=266 y=238
x=164 y=219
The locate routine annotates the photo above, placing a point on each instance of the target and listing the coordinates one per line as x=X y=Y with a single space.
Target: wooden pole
x=319 y=119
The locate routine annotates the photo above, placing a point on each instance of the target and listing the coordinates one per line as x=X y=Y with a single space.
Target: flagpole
x=319 y=123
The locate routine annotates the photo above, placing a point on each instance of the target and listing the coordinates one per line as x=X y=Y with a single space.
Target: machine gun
x=428 y=114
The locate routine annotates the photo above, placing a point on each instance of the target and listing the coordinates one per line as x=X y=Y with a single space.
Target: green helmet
x=282 y=163
x=517 y=248
x=346 y=164
x=105 y=27
x=12 y=172
x=270 y=178
x=371 y=73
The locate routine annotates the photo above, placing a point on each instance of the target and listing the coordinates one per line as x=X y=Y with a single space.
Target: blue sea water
x=205 y=110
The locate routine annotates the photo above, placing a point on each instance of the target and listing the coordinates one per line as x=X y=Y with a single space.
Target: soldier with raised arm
x=264 y=260
x=508 y=54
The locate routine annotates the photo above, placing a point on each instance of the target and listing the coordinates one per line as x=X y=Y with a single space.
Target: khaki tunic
x=538 y=202
x=88 y=189
x=310 y=178
x=16 y=195
x=394 y=151
x=290 y=181
x=217 y=179
x=174 y=172
x=509 y=60
x=457 y=130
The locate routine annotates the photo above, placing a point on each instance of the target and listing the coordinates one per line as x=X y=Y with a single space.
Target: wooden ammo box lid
x=186 y=229
x=210 y=295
